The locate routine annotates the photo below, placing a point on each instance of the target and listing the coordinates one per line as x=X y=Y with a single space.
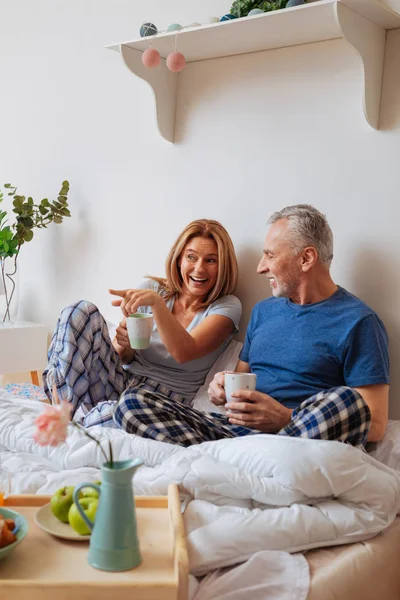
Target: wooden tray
x=44 y=567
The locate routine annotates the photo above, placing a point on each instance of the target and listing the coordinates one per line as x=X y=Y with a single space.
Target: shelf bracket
x=369 y=40
x=164 y=84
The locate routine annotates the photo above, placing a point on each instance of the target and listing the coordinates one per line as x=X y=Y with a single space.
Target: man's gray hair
x=309 y=227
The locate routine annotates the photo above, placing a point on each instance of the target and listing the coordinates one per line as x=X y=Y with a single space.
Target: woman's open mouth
x=198 y=280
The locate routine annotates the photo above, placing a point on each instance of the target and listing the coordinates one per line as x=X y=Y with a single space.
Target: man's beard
x=286 y=289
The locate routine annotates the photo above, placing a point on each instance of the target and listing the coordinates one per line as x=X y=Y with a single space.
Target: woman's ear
x=309 y=258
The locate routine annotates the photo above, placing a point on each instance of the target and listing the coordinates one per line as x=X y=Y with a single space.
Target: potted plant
x=241 y=8
x=28 y=216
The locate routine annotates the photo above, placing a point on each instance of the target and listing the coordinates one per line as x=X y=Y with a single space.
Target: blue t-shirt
x=298 y=350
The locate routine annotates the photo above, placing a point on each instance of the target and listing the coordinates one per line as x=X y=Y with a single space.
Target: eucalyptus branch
x=28 y=216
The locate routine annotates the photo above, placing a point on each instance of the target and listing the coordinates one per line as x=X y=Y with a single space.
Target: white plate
x=45 y=519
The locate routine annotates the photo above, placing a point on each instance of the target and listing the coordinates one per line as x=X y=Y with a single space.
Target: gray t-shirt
x=157 y=363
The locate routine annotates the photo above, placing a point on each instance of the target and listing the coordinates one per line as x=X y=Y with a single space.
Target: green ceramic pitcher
x=114 y=544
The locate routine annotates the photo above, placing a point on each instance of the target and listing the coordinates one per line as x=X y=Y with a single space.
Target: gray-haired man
x=320 y=353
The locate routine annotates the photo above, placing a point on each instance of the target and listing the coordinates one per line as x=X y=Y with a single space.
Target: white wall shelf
x=363 y=23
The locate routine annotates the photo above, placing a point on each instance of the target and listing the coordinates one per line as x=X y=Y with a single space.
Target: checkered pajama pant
x=82 y=362
x=87 y=372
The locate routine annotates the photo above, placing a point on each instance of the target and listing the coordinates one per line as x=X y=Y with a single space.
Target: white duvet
x=242 y=496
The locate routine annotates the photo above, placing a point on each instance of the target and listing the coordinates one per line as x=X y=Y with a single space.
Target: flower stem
x=111 y=454
x=108 y=459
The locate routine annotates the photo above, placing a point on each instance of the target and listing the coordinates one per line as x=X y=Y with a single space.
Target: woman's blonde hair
x=227 y=263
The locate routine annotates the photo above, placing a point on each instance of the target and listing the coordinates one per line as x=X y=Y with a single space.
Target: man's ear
x=309 y=258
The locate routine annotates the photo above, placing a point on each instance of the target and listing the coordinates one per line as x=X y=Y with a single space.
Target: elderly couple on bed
x=320 y=354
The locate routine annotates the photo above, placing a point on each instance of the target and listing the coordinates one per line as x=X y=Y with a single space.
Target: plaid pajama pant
x=87 y=372
x=82 y=362
x=337 y=414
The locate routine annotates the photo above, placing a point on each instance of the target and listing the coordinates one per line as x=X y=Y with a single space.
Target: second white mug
x=238 y=381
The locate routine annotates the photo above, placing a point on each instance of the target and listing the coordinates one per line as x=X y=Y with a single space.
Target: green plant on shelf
x=241 y=8
x=27 y=217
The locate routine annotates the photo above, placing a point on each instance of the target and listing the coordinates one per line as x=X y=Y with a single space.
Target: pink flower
x=52 y=428
x=52 y=425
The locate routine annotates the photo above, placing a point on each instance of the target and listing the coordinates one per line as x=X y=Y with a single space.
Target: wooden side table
x=23 y=348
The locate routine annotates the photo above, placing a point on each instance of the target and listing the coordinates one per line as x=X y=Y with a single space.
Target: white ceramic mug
x=139 y=326
x=238 y=381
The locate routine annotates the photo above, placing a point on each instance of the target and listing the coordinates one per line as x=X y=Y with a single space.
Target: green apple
x=61 y=501
x=89 y=506
x=89 y=492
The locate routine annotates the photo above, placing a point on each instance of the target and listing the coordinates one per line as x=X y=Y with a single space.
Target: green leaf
x=6 y=234
x=27 y=222
x=241 y=8
x=29 y=216
x=65 y=188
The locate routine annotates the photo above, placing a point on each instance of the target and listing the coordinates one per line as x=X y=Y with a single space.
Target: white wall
x=255 y=133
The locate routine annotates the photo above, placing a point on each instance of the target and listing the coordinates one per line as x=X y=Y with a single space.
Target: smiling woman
x=195 y=316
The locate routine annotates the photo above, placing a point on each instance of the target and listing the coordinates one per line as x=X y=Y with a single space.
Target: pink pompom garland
x=151 y=58
x=176 y=62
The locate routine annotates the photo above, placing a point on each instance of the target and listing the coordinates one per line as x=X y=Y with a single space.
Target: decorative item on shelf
x=242 y=8
x=114 y=544
x=151 y=58
x=148 y=29
x=174 y=27
x=247 y=8
x=176 y=62
x=239 y=8
x=228 y=17
x=12 y=237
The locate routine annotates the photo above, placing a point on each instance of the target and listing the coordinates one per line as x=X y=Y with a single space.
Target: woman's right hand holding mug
x=121 y=343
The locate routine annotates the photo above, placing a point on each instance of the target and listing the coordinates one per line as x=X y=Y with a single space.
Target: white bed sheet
x=250 y=502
